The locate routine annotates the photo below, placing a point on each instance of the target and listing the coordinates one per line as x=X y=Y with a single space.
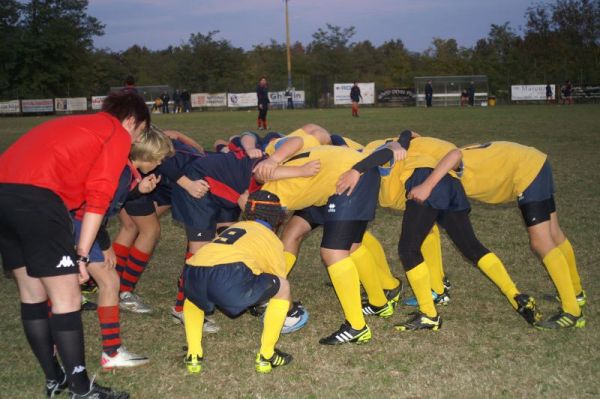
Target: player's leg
x=294 y=232
x=124 y=240
x=386 y=278
x=567 y=249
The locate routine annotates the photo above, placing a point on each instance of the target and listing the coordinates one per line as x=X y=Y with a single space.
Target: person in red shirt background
x=53 y=169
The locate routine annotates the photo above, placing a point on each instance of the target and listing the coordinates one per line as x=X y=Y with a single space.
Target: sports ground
x=484 y=348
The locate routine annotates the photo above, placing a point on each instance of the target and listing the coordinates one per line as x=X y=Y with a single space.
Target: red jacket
x=80 y=158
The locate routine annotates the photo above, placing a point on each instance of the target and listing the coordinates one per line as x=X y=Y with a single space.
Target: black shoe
x=55 y=387
x=99 y=392
x=420 y=321
x=561 y=320
x=347 y=334
x=527 y=309
x=258 y=310
x=447 y=284
x=393 y=295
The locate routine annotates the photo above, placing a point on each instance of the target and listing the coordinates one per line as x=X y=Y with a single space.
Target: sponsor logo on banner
x=97 y=102
x=70 y=104
x=209 y=100
x=341 y=93
x=34 y=106
x=10 y=107
x=237 y=100
x=530 y=92
x=281 y=97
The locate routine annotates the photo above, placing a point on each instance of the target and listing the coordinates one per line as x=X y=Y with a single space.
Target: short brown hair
x=152 y=146
x=125 y=104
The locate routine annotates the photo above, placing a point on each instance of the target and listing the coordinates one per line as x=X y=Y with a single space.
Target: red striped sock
x=122 y=253
x=136 y=264
x=180 y=295
x=110 y=329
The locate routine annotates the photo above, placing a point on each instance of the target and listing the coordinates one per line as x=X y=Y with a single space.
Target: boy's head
x=265 y=206
x=130 y=109
x=150 y=149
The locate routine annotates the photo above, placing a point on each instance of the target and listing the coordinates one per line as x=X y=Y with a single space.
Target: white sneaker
x=209 y=327
x=133 y=303
x=123 y=358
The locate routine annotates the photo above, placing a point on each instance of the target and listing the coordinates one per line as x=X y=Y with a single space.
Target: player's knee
x=410 y=256
x=284 y=291
x=150 y=233
x=128 y=226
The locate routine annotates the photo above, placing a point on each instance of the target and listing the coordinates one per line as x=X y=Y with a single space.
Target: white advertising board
x=34 y=106
x=97 y=102
x=209 y=100
x=279 y=97
x=530 y=92
x=237 y=100
x=10 y=107
x=341 y=93
x=70 y=104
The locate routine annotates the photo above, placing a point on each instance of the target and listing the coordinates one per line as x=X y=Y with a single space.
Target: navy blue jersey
x=172 y=168
x=225 y=173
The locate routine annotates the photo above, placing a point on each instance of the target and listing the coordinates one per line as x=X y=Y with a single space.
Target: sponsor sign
x=97 y=102
x=341 y=93
x=70 y=104
x=530 y=92
x=35 y=106
x=281 y=97
x=237 y=100
x=209 y=100
x=10 y=107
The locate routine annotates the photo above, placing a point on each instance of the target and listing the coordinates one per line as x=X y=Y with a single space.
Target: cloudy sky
x=157 y=24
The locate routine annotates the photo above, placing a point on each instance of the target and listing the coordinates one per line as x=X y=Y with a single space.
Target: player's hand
x=419 y=193
x=265 y=170
x=260 y=106
x=83 y=273
x=399 y=152
x=347 y=182
x=254 y=153
x=243 y=200
x=197 y=188
x=149 y=183
x=311 y=168
x=110 y=259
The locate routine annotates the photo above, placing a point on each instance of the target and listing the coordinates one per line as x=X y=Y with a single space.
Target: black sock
x=67 y=331
x=34 y=317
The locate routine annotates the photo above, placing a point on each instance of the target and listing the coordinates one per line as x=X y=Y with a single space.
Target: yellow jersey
x=353 y=144
x=499 y=171
x=309 y=141
x=250 y=242
x=302 y=192
x=423 y=152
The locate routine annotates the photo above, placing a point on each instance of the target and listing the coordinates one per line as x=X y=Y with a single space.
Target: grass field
x=484 y=348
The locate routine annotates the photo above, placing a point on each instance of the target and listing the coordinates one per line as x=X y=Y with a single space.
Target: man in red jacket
x=53 y=169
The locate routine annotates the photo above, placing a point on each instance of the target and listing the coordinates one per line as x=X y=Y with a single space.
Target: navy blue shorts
x=96 y=254
x=360 y=205
x=231 y=287
x=540 y=189
x=162 y=193
x=313 y=215
x=447 y=195
x=141 y=206
x=200 y=216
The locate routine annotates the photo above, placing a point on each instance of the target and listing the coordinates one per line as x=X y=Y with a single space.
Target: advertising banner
x=10 y=107
x=70 y=104
x=97 y=102
x=209 y=100
x=281 y=97
x=35 y=106
x=530 y=92
x=341 y=93
x=238 y=100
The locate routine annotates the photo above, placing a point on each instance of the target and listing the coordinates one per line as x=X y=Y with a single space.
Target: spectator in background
x=567 y=93
x=355 y=97
x=464 y=97
x=428 y=93
x=549 y=94
x=471 y=93
x=186 y=99
x=165 y=102
x=129 y=85
x=157 y=105
x=262 y=95
x=176 y=102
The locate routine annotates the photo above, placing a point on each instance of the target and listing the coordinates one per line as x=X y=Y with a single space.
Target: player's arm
x=449 y=162
x=248 y=141
x=195 y=188
x=187 y=140
x=264 y=170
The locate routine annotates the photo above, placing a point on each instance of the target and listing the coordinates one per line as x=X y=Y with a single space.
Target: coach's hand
x=347 y=181
x=149 y=183
x=83 y=273
x=197 y=188
x=419 y=193
x=110 y=259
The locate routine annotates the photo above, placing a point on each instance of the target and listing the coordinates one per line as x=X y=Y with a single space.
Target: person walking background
x=355 y=96
x=262 y=95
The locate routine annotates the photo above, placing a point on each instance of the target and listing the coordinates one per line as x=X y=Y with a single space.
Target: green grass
x=484 y=348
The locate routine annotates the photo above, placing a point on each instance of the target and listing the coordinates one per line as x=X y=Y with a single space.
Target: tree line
x=47 y=51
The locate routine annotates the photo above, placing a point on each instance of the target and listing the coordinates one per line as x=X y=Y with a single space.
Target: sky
x=157 y=24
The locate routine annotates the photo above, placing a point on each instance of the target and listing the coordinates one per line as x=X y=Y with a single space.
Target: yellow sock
x=290 y=260
x=557 y=267
x=386 y=278
x=194 y=320
x=493 y=268
x=344 y=277
x=569 y=254
x=432 y=253
x=367 y=273
x=275 y=315
x=418 y=277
